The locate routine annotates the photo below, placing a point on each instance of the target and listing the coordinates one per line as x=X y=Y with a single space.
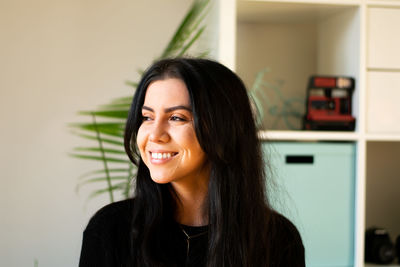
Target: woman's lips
x=159 y=157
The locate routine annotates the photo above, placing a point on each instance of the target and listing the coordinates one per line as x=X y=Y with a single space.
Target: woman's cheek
x=140 y=142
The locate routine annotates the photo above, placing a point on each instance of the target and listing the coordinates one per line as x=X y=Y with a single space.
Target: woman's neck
x=191 y=204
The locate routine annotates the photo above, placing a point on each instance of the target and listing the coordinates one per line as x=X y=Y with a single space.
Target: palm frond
x=101 y=171
x=107 y=112
x=117 y=106
x=101 y=179
x=186 y=33
x=97 y=149
x=104 y=140
x=115 y=129
x=277 y=109
x=119 y=186
x=186 y=47
x=124 y=99
x=99 y=158
x=132 y=84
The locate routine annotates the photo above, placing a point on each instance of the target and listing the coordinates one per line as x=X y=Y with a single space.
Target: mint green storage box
x=315 y=190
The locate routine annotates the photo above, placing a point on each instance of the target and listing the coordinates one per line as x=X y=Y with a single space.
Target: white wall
x=58 y=57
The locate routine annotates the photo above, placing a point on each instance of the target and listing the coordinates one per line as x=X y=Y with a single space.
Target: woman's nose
x=159 y=133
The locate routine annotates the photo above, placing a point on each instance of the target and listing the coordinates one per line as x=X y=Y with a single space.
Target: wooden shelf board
x=383 y=137
x=308 y=136
x=289 y=10
x=383 y=3
x=377 y=265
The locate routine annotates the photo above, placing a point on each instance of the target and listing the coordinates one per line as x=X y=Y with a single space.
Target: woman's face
x=166 y=138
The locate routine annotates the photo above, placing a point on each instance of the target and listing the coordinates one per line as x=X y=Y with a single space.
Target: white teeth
x=161 y=155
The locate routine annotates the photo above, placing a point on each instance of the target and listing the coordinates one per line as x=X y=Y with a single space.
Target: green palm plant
x=107 y=122
x=289 y=110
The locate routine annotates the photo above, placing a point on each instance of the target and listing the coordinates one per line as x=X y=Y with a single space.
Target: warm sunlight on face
x=166 y=138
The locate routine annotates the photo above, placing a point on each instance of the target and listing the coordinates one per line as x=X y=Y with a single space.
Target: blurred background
x=58 y=57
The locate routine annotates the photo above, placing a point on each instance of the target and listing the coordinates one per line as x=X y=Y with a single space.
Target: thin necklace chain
x=188 y=237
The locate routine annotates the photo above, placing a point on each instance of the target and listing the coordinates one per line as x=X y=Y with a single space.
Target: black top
x=106 y=240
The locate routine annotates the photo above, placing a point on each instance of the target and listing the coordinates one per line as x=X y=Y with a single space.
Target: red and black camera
x=329 y=104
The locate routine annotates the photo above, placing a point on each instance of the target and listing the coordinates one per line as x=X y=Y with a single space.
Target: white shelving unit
x=357 y=38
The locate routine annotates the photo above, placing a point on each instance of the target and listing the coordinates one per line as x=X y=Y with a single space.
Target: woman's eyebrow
x=167 y=110
x=148 y=108
x=170 y=109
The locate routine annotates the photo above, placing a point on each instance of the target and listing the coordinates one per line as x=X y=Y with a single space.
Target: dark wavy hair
x=236 y=206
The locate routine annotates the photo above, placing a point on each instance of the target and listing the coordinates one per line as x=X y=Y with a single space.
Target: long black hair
x=237 y=206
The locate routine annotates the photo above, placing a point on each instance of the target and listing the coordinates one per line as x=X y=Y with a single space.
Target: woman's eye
x=177 y=118
x=146 y=118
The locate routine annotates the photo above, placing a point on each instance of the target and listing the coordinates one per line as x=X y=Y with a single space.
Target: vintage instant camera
x=378 y=246
x=328 y=104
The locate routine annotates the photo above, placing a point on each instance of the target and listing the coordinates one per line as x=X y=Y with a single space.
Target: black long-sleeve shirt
x=106 y=241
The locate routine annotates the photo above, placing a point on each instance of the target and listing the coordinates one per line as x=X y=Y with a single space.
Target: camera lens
x=378 y=246
x=386 y=254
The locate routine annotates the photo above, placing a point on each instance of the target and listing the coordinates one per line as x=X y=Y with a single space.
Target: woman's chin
x=160 y=179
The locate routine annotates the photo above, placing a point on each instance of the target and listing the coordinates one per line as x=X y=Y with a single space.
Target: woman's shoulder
x=286 y=241
x=284 y=228
x=106 y=237
x=116 y=214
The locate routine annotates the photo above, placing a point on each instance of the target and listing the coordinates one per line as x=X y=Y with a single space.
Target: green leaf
x=98 y=179
x=102 y=179
x=97 y=149
x=185 y=28
x=97 y=158
x=122 y=100
x=132 y=84
x=112 y=170
x=100 y=125
x=113 y=188
x=186 y=47
x=118 y=114
x=108 y=128
x=118 y=106
x=104 y=140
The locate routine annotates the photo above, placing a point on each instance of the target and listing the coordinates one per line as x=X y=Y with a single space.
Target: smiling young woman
x=169 y=148
x=200 y=188
x=166 y=138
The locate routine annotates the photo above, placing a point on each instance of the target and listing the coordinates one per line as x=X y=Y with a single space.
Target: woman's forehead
x=167 y=92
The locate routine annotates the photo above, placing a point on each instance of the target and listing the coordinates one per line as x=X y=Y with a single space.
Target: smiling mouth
x=163 y=155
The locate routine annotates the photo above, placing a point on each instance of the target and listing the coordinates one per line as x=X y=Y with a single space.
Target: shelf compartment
x=295 y=41
x=382 y=186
